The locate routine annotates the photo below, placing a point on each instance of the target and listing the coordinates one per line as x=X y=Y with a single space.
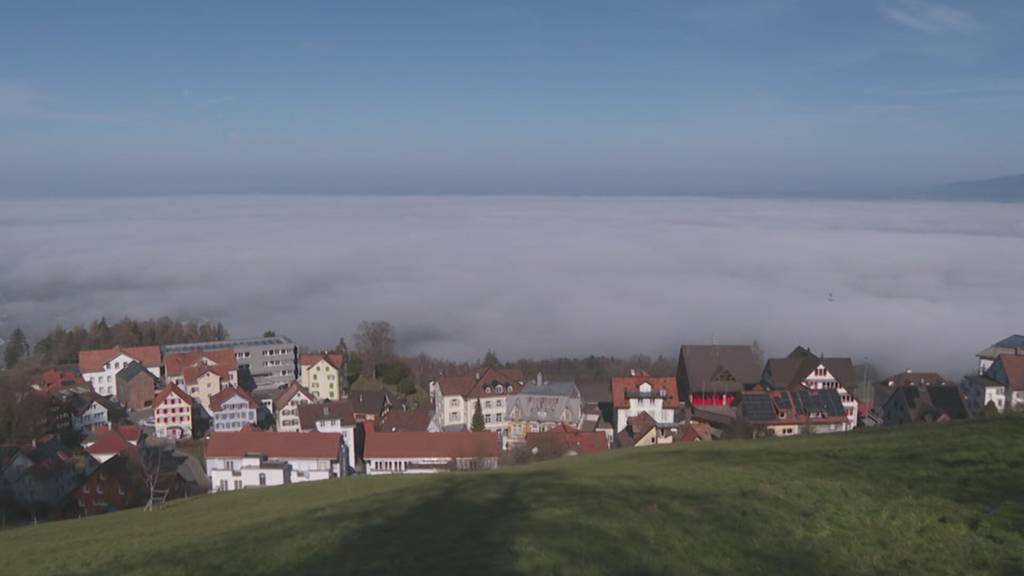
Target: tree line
x=61 y=346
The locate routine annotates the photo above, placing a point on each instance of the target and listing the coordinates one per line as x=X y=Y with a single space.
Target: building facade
x=455 y=398
x=233 y=409
x=639 y=393
x=272 y=361
x=100 y=367
x=173 y=413
x=322 y=375
x=251 y=459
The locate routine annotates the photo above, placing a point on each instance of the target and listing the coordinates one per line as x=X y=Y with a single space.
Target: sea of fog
x=912 y=285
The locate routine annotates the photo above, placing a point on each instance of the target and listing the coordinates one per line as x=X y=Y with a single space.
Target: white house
x=91 y=412
x=803 y=369
x=429 y=452
x=100 y=367
x=286 y=407
x=1012 y=345
x=232 y=410
x=455 y=398
x=173 y=413
x=1002 y=385
x=640 y=393
x=249 y=459
x=335 y=418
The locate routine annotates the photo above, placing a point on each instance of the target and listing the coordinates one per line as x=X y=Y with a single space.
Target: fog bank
x=914 y=285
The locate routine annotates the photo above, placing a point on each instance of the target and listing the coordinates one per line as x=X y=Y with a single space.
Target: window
x=499 y=389
x=99 y=488
x=223 y=485
x=238 y=484
x=263 y=479
x=453 y=416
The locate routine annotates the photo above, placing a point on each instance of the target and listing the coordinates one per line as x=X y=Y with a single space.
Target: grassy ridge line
x=943 y=499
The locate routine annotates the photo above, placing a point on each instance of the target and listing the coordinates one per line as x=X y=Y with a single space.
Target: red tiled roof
x=431 y=444
x=335 y=359
x=174 y=364
x=282 y=445
x=93 y=360
x=218 y=399
x=52 y=379
x=631 y=384
x=109 y=443
x=475 y=385
x=192 y=373
x=288 y=393
x=167 y=392
x=571 y=439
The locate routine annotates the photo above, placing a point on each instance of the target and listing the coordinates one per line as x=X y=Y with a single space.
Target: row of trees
x=61 y=346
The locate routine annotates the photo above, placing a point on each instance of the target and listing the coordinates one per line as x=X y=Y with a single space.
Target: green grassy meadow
x=940 y=499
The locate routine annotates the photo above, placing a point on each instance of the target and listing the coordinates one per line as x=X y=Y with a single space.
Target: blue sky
x=131 y=97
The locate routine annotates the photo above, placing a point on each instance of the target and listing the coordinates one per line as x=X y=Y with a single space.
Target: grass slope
x=942 y=499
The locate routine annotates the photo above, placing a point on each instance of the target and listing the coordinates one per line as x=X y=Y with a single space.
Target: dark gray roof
x=546 y=403
x=760 y=406
x=132 y=370
x=1010 y=344
x=595 y=390
x=223 y=344
x=716 y=369
x=790 y=371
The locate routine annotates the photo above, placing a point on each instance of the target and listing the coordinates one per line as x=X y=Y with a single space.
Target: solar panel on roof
x=782 y=401
x=833 y=404
x=758 y=407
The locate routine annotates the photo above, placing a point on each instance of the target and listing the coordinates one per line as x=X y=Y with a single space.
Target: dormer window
x=499 y=389
x=645 y=388
x=487 y=389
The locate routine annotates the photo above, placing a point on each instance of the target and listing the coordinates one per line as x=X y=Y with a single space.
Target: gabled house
x=250 y=459
x=173 y=413
x=370 y=405
x=233 y=409
x=286 y=407
x=100 y=367
x=406 y=420
x=429 y=452
x=136 y=386
x=1011 y=345
x=920 y=403
x=541 y=407
x=714 y=375
x=643 y=430
x=335 y=418
x=639 y=393
x=885 y=388
x=224 y=359
x=803 y=369
x=788 y=412
x=566 y=440
x=323 y=374
x=40 y=476
x=203 y=382
x=455 y=398
x=89 y=412
x=116 y=484
x=54 y=379
x=1002 y=385
x=106 y=443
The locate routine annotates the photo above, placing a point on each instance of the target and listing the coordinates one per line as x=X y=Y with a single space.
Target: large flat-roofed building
x=272 y=361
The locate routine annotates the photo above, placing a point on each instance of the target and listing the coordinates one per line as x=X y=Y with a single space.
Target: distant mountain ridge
x=1001 y=189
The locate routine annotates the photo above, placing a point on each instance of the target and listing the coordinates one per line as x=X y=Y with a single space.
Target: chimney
x=540 y=379
x=632 y=371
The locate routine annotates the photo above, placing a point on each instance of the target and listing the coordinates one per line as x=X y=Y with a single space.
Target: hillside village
x=136 y=426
